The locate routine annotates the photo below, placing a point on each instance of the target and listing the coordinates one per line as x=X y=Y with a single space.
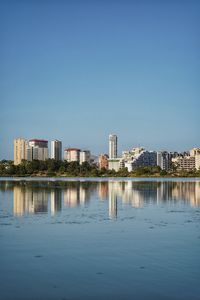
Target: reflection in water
x=112 y=200
x=56 y=201
x=28 y=198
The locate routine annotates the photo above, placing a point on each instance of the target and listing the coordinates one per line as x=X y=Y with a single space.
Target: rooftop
x=72 y=149
x=38 y=140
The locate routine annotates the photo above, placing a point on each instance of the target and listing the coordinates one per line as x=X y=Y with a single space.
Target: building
x=72 y=154
x=195 y=151
x=37 y=149
x=20 y=150
x=143 y=158
x=186 y=163
x=103 y=161
x=112 y=146
x=84 y=156
x=197 y=162
x=115 y=164
x=56 y=201
x=56 y=150
x=130 y=154
x=164 y=160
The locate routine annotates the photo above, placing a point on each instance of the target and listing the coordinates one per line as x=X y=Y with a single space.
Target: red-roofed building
x=72 y=154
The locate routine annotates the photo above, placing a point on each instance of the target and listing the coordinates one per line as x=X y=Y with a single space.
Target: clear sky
x=79 y=70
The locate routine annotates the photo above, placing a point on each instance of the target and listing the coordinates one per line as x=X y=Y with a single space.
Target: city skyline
x=112 y=149
x=86 y=69
x=99 y=149
x=37 y=149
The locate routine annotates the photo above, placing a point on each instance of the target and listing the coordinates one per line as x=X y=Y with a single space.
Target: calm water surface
x=100 y=239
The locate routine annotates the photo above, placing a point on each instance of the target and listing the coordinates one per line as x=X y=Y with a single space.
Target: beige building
x=115 y=164
x=72 y=154
x=195 y=151
x=103 y=161
x=186 y=163
x=20 y=150
x=197 y=162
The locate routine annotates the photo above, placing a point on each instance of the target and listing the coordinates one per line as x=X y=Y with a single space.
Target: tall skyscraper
x=112 y=146
x=37 y=149
x=20 y=150
x=56 y=150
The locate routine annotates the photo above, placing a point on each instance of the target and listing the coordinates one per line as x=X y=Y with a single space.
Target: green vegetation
x=52 y=168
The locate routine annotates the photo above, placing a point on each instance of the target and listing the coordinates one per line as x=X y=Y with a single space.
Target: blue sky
x=79 y=70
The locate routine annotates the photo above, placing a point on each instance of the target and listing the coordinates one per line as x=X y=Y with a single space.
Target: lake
x=99 y=238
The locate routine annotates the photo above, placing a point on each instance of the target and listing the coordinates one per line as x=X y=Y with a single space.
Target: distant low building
x=103 y=161
x=186 y=163
x=197 y=162
x=195 y=152
x=143 y=158
x=115 y=164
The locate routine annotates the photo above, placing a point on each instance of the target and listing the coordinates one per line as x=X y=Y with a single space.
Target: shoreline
x=102 y=178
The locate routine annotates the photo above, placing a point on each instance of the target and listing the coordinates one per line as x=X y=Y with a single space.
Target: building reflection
x=32 y=200
x=71 y=197
x=112 y=200
x=103 y=190
x=137 y=194
x=26 y=200
x=56 y=201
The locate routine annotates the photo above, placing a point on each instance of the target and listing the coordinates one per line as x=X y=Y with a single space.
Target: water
x=100 y=239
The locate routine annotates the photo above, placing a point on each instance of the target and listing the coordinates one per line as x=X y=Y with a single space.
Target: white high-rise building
x=56 y=150
x=112 y=146
x=84 y=156
x=37 y=149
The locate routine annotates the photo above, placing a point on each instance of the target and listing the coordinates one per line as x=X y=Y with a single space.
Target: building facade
x=142 y=159
x=164 y=160
x=186 y=163
x=84 y=156
x=72 y=154
x=112 y=146
x=115 y=164
x=197 y=162
x=56 y=150
x=20 y=150
x=195 y=151
x=37 y=150
x=103 y=161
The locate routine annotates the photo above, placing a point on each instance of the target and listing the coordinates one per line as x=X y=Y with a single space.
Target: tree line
x=52 y=167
